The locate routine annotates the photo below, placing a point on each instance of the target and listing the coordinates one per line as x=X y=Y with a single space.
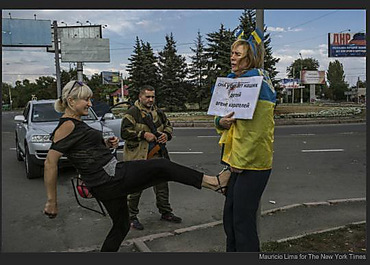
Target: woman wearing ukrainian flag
x=247 y=148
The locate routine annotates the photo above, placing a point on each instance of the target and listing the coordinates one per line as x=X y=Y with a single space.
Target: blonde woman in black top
x=108 y=180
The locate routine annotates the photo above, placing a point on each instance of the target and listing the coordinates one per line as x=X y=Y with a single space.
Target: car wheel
x=18 y=150
x=32 y=170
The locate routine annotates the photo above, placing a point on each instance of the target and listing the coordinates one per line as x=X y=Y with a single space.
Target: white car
x=112 y=117
x=33 y=130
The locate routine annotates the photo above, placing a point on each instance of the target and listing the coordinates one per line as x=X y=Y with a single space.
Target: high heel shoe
x=226 y=173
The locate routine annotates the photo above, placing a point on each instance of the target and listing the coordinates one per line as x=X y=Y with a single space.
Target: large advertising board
x=347 y=44
x=85 y=50
x=110 y=78
x=70 y=32
x=26 y=32
x=289 y=83
x=313 y=77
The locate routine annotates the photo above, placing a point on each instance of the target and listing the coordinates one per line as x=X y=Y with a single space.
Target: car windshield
x=45 y=112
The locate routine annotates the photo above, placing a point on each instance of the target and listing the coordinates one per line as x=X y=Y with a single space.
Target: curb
x=278 y=122
x=309 y=204
x=318 y=232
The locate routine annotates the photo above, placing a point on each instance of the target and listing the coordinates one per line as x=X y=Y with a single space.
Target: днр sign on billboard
x=347 y=45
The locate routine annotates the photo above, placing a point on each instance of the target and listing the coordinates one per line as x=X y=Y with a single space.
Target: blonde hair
x=75 y=90
x=253 y=61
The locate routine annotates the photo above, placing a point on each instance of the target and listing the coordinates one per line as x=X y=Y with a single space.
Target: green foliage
x=294 y=69
x=198 y=91
x=335 y=77
x=5 y=88
x=136 y=70
x=218 y=53
x=142 y=69
x=171 y=93
x=248 y=24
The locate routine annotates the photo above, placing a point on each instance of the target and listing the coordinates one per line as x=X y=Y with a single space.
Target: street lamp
x=79 y=22
x=88 y=22
x=64 y=23
x=300 y=78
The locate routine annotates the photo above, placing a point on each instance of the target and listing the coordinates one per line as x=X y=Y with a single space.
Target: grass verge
x=351 y=238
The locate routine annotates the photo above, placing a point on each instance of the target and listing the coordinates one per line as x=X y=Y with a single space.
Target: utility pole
x=79 y=71
x=57 y=65
x=300 y=78
x=260 y=26
x=121 y=89
x=10 y=98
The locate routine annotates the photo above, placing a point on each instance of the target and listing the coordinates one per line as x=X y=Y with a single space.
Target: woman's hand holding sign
x=226 y=121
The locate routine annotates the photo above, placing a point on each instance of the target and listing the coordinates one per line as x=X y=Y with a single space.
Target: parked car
x=33 y=130
x=112 y=117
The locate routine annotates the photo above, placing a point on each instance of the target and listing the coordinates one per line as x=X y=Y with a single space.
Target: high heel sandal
x=222 y=189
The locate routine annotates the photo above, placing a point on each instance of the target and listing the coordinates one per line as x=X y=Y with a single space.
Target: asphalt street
x=311 y=163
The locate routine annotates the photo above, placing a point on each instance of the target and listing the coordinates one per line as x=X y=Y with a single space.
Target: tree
x=5 y=88
x=44 y=88
x=248 y=24
x=136 y=70
x=335 y=77
x=218 y=53
x=171 y=92
x=294 y=69
x=150 y=63
x=198 y=72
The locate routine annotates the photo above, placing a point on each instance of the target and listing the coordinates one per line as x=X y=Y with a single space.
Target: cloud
x=294 y=29
x=308 y=53
x=275 y=29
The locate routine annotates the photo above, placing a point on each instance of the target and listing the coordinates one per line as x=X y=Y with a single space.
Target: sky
x=292 y=32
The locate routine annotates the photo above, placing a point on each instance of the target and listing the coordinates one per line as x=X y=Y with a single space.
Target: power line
x=307 y=22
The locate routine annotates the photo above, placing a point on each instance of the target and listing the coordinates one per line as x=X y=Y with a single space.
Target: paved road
x=311 y=163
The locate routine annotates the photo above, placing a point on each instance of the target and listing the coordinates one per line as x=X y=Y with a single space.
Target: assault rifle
x=159 y=146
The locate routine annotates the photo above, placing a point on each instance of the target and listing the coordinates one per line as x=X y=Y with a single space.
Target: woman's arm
x=50 y=182
x=51 y=169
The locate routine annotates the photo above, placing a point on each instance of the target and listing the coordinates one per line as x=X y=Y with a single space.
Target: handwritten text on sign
x=235 y=95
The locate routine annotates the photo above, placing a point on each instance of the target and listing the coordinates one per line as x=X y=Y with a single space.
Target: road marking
x=302 y=134
x=323 y=150
x=175 y=153
x=186 y=153
x=7 y=132
x=12 y=149
x=208 y=136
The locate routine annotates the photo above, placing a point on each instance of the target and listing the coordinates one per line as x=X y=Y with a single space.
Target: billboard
x=289 y=83
x=25 y=32
x=313 y=77
x=85 y=50
x=347 y=45
x=110 y=78
x=69 y=32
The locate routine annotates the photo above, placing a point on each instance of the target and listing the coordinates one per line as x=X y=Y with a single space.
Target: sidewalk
x=285 y=121
x=278 y=224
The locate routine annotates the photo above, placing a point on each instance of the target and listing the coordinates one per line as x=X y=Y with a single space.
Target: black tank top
x=86 y=150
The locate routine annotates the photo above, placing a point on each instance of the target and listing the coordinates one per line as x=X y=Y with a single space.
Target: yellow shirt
x=248 y=144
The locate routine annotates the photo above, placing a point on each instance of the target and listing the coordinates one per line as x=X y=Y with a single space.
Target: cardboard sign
x=238 y=95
